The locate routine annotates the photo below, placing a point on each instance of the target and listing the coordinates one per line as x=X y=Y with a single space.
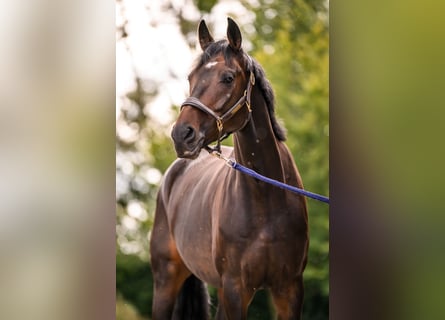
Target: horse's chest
x=262 y=219
x=258 y=258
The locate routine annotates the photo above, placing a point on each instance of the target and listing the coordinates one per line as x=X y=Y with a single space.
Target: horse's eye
x=227 y=78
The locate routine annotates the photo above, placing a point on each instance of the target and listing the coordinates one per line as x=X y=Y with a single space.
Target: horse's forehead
x=214 y=63
x=211 y=64
x=219 y=62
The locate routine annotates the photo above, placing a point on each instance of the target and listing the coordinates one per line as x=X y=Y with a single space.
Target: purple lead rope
x=233 y=164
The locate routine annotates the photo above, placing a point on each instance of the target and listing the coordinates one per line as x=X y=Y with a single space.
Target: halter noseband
x=245 y=99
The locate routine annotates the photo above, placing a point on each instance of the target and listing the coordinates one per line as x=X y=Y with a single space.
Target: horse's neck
x=255 y=145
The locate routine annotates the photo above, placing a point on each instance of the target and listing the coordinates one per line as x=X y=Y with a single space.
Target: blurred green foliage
x=205 y=5
x=291 y=42
x=134 y=282
x=126 y=310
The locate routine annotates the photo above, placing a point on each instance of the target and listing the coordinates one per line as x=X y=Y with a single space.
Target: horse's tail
x=192 y=302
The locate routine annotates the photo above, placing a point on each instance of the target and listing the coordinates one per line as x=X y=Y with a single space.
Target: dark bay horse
x=213 y=224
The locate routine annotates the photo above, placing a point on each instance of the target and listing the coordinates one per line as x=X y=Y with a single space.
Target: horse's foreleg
x=219 y=311
x=166 y=289
x=233 y=300
x=169 y=272
x=288 y=300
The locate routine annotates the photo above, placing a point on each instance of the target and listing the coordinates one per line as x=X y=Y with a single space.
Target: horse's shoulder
x=173 y=172
x=289 y=165
x=286 y=155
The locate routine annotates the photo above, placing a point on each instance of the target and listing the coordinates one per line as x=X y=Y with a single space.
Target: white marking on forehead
x=211 y=64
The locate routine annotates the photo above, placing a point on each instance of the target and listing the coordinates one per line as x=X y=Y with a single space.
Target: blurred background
x=59 y=123
x=156 y=45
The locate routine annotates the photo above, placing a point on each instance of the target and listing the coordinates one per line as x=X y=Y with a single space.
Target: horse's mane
x=222 y=47
x=269 y=97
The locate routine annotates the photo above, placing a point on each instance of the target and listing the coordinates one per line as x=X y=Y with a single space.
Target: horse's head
x=220 y=88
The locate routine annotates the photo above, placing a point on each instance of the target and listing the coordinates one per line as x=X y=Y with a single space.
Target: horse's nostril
x=188 y=134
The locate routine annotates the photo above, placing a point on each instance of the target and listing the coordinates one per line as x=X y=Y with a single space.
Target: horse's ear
x=233 y=35
x=205 y=37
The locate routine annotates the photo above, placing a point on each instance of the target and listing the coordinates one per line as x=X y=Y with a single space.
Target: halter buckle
x=248 y=105
x=219 y=124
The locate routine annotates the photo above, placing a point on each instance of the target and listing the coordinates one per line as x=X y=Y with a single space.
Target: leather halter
x=220 y=119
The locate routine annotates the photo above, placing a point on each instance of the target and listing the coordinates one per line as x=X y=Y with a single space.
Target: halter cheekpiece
x=220 y=119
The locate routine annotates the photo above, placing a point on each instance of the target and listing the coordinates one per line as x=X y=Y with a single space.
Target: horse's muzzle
x=188 y=142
